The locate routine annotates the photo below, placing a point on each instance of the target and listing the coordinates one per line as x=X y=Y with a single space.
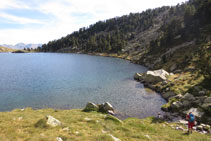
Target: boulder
x=53 y=122
x=186 y=103
x=167 y=95
x=90 y=106
x=207 y=104
x=176 y=105
x=156 y=76
x=106 y=108
x=138 y=76
x=188 y=97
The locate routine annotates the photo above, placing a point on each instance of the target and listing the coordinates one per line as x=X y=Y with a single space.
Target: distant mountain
x=4 y=49
x=22 y=46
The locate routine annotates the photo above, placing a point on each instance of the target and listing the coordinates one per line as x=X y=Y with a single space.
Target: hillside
x=28 y=124
x=4 y=49
x=148 y=38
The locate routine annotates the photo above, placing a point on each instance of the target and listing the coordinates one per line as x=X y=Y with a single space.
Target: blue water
x=66 y=81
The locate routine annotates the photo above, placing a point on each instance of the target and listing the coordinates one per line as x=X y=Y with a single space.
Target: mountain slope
x=154 y=38
x=22 y=46
x=4 y=49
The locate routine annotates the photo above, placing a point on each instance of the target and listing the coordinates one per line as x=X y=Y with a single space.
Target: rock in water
x=51 y=121
x=91 y=107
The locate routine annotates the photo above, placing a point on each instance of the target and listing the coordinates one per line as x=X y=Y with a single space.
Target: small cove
x=67 y=81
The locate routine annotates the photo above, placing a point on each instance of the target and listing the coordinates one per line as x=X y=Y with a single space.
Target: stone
x=167 y=95
x=206 y=127
x=186 y=103
x=199 y=127
x=207 y=100
x=59 y=139
x=185 y=122
x=201 y=93
x=53 y=122
x=87 y=119
x=114 y=138
x=66 y=129
x=90 y=106
x=111 y=112
x=189 y=97
x=138 y=76
x=108 y=106
x=176 y=105
x=179 y=128
x=147 y=136
x=173 y=67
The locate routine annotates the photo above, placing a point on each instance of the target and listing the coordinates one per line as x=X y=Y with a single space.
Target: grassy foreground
x=77 y=125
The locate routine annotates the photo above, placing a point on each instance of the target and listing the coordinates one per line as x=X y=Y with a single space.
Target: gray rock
x=59 y=139
x=167 y=95
x=185 y=122
x=107 y=106
x=138 y=76
x=207 y=100
x=199 y=127
x=53 y=122
x=173 y=67
x=176 y=105
x=189 y=97
x=201 y=93
x=91 y=107
x=186 y=103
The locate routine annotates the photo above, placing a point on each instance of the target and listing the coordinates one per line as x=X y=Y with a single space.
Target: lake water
x=66 y=81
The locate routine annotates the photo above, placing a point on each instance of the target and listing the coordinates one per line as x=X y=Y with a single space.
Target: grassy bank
x=78 y=125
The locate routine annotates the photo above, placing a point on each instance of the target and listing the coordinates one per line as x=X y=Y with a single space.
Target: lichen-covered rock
x=90 y=106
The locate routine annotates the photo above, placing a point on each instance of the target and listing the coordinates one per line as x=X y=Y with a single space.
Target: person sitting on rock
x=191 y=119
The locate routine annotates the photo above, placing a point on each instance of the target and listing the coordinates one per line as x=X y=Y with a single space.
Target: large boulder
x=53 y=122
x=156 y=76
x=90 y=106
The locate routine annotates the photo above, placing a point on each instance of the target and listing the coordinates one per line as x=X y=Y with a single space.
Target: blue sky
x=39 y=21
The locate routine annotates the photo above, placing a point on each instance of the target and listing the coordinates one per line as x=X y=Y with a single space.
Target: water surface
x=66 y=81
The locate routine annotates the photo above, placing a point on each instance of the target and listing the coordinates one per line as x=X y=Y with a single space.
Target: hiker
x=191 y=119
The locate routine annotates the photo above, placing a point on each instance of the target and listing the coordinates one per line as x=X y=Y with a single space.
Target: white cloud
x=4 y=4
x=66 y=16
x=20 y=20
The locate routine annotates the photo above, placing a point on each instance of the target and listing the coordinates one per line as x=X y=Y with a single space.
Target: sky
x=40 y=21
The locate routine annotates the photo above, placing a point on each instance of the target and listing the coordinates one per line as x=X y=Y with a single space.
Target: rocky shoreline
x=178 y=104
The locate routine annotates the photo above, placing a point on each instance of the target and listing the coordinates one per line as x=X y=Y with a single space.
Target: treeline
x=109 y=36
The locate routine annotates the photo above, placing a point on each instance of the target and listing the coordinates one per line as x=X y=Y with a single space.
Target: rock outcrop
x=104 y=108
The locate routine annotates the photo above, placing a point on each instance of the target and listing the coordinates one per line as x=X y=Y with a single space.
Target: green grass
x=30 y=125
